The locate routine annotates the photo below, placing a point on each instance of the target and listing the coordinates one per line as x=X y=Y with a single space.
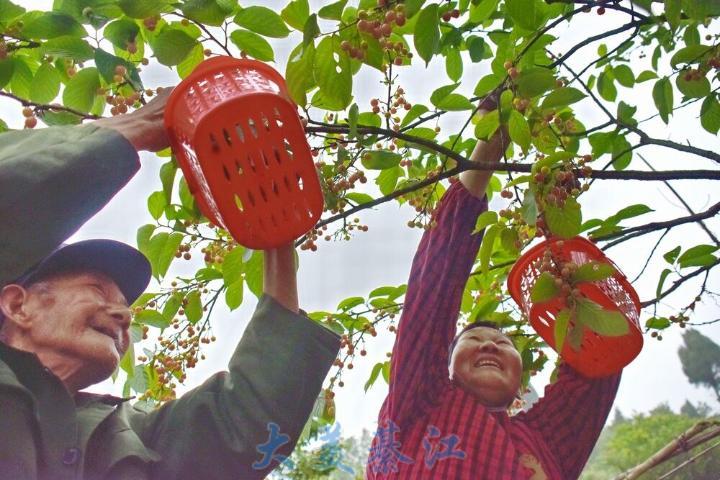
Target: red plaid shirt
x=429 y=429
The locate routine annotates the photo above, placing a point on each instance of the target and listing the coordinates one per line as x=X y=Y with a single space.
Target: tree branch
x=685 y=204
x=632 y=232
x=676 y=284
x=42 y=106
x=465 y=164
x=595 y=38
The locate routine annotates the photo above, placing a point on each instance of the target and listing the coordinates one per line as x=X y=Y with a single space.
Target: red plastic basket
x=242 y=148
x=598 y=356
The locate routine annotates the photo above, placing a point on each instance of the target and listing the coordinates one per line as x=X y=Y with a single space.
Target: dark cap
x=125 y=265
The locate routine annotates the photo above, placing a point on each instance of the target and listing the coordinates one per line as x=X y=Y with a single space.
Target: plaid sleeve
x=571 y=415
x=438 y=276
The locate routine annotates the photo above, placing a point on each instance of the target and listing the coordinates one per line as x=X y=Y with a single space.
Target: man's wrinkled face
x=81 y=317
x=486 y=364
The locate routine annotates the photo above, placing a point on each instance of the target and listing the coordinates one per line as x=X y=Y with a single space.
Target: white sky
x=382 y=256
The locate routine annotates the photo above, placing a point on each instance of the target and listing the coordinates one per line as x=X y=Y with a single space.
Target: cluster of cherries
x=379 y=23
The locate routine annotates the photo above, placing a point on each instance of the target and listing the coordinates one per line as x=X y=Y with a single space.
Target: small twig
x=42 y=106
x=676 y=284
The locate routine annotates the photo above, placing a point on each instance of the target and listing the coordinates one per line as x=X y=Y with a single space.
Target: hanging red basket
x=598 y=356
x=243 y=151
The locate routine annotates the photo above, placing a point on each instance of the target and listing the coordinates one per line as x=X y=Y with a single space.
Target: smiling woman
x=486 y=363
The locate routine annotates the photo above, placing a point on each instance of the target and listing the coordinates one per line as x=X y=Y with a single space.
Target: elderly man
x=65 y=319
x=445 y=416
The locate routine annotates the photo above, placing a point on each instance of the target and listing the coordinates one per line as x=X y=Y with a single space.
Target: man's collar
x=30 y=363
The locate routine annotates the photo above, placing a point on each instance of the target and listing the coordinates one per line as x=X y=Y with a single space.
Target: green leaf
x=593 y=272
x=412 y=7
x=353 y=115
x=661 y=281
x=121 y=32
x=194 y=308
x=535 y=81
x=697 y=256
x=606 y=87
x=482 y=9
x=544 y=288
x=487 y=84
x=52 y=25
x=373 y=376
x=529 y=208
x=663 y=97
x=299 y=73
x=519 y=130
x=658 y=323
x=427 y=34
x=253 y=44
x=478 y=49
x=562 y=97
x=21 y=76
x=207 y=12
x=9 y=11
x=672 y=12
x=142 y=8
x=645 y=76
x=193 y=59
x=693 y=88
x=440 y=93
x=455 y=103
x=710 y=115
x=380 y=159
x=488 y=124
x=524 y=13
x=234 y=294
x=156 y=204
x=624 y=75
x=631 y=211
x=350 y=303
x=232 y=266
x=453 y=64
x=414 y=112
x=672 y=255
x=359 y=198
x=171 y=307
x=621 y=152
x=68 y=47
x=172 y=45
x=625 y=114
x=484 y=219
x=610 y=323
x=143 y=237
x=566 y=221
x=387 y=180
x=486 y=248
x=254 y=273
x=152 y=318
x=332 y=72
x=45 y=85
x=7 y=68
x=691 y=54
x=562 y=322
x=262 y=20
x=332 y=11
x=81 y=90
x=311 y=29
x=296 y=14
x=160 y=251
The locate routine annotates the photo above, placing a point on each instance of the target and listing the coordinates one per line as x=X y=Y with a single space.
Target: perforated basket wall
x=243 y=151
x=598 y=356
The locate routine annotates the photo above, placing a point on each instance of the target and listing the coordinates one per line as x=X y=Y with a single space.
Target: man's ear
x=13 y=300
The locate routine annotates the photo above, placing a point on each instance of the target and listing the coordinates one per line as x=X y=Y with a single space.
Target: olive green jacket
x=51 y=182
